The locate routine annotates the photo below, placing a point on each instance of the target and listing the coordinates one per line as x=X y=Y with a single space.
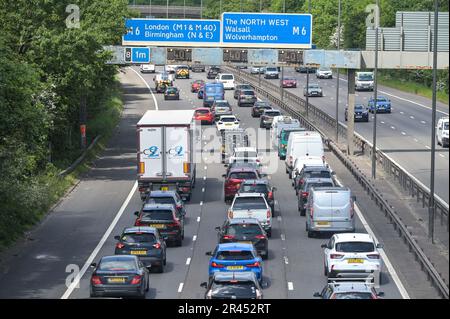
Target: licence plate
x=118 y=280
x=246 y=242
x=164 y=188
x=228 y=124
x=358 y=116
x=138 y=252
x=355 y=261
x=323 y=223
x=157 y=226
x=235 y=267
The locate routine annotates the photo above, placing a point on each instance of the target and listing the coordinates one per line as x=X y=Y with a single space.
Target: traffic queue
x=351 y=261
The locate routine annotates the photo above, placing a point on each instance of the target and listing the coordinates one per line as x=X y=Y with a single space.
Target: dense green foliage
x=45 y=68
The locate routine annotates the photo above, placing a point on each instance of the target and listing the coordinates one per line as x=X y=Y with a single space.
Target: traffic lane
x=37 y=268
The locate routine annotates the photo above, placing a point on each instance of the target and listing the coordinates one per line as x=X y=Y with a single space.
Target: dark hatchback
x=244 y=230
x=259 y=107
x=212 y=72
x=239 y=88
x=144 y=242
x=119 y=276
x=167 y=197
x=361 y=113
x=261 y=186
x=233 y=285
x=172 y=93
x=247 y=97
x=164 y=218
x=311 y=172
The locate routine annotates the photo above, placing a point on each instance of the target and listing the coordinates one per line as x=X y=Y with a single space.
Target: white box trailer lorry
x=165 y=141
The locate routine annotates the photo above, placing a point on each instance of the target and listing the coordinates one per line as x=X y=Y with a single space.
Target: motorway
x=82 y=226
x=404 y=135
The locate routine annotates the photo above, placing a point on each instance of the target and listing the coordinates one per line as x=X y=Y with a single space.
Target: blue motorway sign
x=172 y=32
x=271 y=30
x=137 y=55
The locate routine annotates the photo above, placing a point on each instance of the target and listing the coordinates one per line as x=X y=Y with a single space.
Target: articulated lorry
x=166 y=154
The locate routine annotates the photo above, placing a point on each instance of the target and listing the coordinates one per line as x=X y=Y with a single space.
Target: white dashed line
x=441 y=155
x=203 y=190
x=290 y=285
x=204 y=178
x=282 y=237
x=403 y=133
x=201 y=203
x=198 y=219
x=279 y=218
x=286 y=260
x=416 y=140
x=194 y=238
x=393 y=127
x=206 y=167
x=411 y=117
x=402 y=113
x=188 y=261
x=180 y=287
x=382 y=122
x=423 y=122
x=428 y=147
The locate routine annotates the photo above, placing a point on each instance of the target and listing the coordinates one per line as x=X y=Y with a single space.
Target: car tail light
x=269 y=213
x=138 y=222
x=157 y=245
x=336 y=256
x=323 y=158
x=258 y=294
x=270 y=195
x=136 y=280
x=179 y=207
x=305 y=194
x=373 y=256
x=120 y=245
x=311 y=211
x=260 y=237
x=141 y=169
x=230 y=214
x=255 y=264
x=352 y=209
x=216 y=265
x=95 y=280
x=228 y=237
x=176 y=223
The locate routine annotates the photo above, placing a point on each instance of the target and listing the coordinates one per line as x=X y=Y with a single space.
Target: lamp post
x=307 y=75
x=337 y=71
x=375 y=93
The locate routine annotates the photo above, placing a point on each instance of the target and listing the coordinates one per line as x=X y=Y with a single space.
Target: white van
x=302 y=144
x=442 y=132
x=227 y=79
x=279 y=123
x=364 y=81
x=330 y=209
x=302 y=161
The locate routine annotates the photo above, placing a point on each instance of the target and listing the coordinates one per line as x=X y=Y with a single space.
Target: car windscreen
x=117 y=265
x=227 y=77
x=243 y=175
x=272 y=113
x=382 y=99
x=324 y=69
x=243 y=230
x=288 y=79
x=365 y=77
x=202 y=112
x=318 y=184
x=355 y=247
x=234 y=288
x=246 y=154
x=246 y=203
x=353 y=295
x=313 y=86
x=162 y=200
x=318 y=174
x=359 y=107
x=245 y=87
x=227 y=119
x=248 y=92
x=135 y=238
x=157 y=215
x=235 y=255
x=256 y=188
x=271 y=69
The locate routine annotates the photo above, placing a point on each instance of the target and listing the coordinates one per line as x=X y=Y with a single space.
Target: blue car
x=232 y=257
x=200 y=93
x=383 y=105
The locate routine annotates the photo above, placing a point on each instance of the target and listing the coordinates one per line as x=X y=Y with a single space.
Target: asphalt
x=71 y=233
x=404 y=135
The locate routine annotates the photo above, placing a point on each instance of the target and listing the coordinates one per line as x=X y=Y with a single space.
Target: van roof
x=170 y=117
x=331 y=189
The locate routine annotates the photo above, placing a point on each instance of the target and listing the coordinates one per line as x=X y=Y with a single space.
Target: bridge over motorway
x=159 y=11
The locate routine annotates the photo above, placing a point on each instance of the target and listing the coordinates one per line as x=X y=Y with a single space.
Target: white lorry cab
x=165 y=158
x=442 y=132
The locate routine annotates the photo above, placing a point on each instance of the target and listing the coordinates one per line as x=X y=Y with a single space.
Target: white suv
x=352 y=255
x=252 y=205
x=227 y=79
x=442 y=132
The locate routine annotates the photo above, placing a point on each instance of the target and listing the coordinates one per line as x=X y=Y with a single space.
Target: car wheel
x=148 y=285
x=303 y=212
x=325 y=270
x=92 y=294
x=269 y=233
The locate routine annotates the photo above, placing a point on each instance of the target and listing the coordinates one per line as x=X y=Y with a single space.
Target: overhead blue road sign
x=271 y=30
x=172 y=32
x=137 y=55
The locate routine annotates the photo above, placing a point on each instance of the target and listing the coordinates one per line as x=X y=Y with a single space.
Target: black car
x=119 y=276
x=144 y=242
x=244 y=230
x=246 y=97
x=233 y=285
x=260 y=186
x=164 y=218
x=171 y=93
x=167 y=197
x=311 y=172
x=239 y=87
x=259 y=107
x=303 y=192
x=198 y=68
x=212 y=72
x=304 y=69
x=361 y=113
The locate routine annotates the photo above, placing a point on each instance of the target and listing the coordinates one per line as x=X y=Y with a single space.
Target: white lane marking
x=206 y=167
x=411 y=117
x=423 y=122
x=402 y=113
x=416 y=140
x=286 y=260
x=428 y=147
x=203 y=190
x=180 y=287
x=290 y=285
x=198 y=219
x=382 y=122
x=393 y=127
x=387 y=262
x=188 y=261
x=400 y=98
x=194 y=238
x=279 y=218
x=201 y=203
x=100 y=244
x=282 y=237
x=204 y=178
x=148 y=86
x=403 y=133
x=442 y=155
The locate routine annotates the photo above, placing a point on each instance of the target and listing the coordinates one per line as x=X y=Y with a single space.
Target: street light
x=337 y=70
x=307 y=75
x=375 y=93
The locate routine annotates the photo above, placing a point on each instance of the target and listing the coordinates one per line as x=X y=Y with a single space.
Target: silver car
x=330 y=209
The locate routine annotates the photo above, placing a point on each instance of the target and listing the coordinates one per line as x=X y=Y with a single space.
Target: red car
x=289 y=82
x=196 y=85
x=235 y=177
x=204 y=115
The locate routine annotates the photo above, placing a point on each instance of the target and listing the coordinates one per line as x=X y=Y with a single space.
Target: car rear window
x=213 y=89
x=353 y=295
x=134 y=238
x=116 y=264
x=258 y=188
x=202 y=112
x=162 y=200
x=272 y=69
x=235 y=255
x=222 y=104
x=318 y=174
x=243 y=230
x=355 y=247
x=319 y=184
x=227 y=119
x=222 y=108
x=245 y=203
x=236 y=288
x=157 y=215
x=243 y=175
x=248 y=92
x=227 y=77
x=272 y=113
